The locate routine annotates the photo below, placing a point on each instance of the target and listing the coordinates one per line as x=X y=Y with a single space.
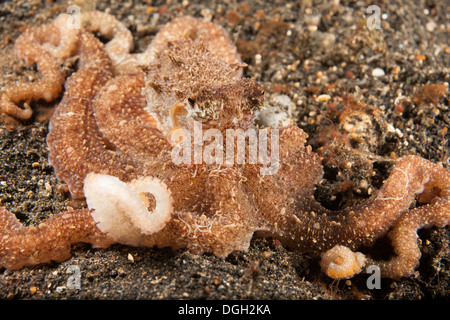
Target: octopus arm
x=51 y=240
x=73 y=123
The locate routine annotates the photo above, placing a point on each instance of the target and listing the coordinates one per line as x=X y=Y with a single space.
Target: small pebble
x=48 y=187
x=431 y=26
x=378 y=72
x=323 y=98
x=258 y=58
x=130 y=257
x=60 y=289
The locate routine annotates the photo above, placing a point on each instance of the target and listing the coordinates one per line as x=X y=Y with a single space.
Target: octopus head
x=227 y=106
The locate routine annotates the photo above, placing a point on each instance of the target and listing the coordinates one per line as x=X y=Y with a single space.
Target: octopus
x=122 y=117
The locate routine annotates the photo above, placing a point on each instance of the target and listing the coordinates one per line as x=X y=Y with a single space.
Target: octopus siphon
x=125 y=138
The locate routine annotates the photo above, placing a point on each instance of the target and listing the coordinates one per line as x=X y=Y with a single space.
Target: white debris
x=378 y=72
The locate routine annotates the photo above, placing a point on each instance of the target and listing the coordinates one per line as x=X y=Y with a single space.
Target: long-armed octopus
x=112 y=140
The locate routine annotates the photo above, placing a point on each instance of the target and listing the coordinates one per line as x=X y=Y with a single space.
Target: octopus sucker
x=110 y=141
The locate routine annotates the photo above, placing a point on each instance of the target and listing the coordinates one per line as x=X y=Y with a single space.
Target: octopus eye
x=263 y=92
x=191 y=101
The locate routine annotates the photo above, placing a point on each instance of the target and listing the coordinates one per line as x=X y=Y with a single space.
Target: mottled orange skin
x=112 y=122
